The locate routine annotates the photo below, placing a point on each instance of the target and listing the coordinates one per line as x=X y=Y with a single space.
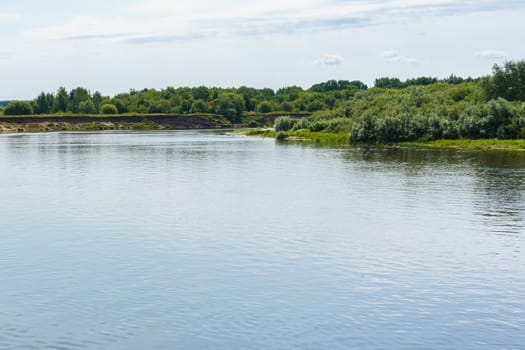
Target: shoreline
x=132 y=121
x=342 y=139
x=50 y=123
x=57 y=123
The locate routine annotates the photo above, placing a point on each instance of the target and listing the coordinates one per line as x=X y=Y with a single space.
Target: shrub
x=281 y=135
x=364 y=130
x=87 y=107
x=264 y=107
x=317 y=126
x=199 y=106
x=18 y=108
x=301 y=124
x=108 y=108
x=161 y=106
x=389 y=130
x=284 y=124
x=286 y=106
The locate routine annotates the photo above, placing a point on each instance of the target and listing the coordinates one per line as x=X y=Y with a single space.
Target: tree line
x=231 y=103
x=392 y=110
x=488 y=107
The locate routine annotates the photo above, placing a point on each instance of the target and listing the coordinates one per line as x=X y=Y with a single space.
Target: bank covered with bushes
x=492 y=107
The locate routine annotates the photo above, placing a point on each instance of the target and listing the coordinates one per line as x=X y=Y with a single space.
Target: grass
x=341 y=139
x=257 y=132
x=484 y=144
x=320 y=137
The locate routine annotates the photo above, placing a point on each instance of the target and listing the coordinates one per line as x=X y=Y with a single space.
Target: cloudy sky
x=115 y=45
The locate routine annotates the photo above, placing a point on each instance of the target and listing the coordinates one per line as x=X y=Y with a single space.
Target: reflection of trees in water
x=500 y=185
x=497 y=178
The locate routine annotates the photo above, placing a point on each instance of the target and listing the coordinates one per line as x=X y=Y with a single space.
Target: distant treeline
x=393 y=110
x=230 y=103
x=488 y=107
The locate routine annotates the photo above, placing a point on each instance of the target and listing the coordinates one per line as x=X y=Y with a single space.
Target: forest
x=423 y=108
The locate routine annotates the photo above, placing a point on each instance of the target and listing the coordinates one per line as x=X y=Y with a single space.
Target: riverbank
x=342 y=139
x=133 y=121
x=483 y=144
x=47 y=123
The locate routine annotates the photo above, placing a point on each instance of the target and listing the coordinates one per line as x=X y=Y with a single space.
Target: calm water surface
x=199 y=240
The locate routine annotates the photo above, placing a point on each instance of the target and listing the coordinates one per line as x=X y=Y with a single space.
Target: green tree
x=61 y=101
x=230 y=105
x=265 y=107
x=161 y=106
x=286 y=107
x=199 y=106
x=87 y=107
x=389 y=83
x=43 y=104
x=97 y=100
x=121 y=105
x=18 y=108
x=509 y=81
x=201 y=93
x=108 y=108
x=76 y=97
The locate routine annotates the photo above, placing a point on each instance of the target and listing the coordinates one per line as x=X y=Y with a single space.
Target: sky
x=113 y=46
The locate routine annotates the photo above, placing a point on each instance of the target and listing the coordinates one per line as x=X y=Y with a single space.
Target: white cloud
x=164 y=21
x=330 y=60
x=394 y=57
x=491 y=54
x=83 y=27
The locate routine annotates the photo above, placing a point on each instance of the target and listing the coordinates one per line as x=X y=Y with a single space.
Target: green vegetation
x=320 y=137
x=418 y=110
x=18 y=108
x=488 y=144
x=232 y=103
x=108 y=108
x=426 y=109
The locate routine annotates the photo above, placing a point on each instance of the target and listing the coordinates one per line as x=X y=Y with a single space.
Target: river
x=202 y=240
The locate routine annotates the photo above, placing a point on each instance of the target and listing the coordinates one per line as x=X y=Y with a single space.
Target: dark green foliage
x=87 y=107
x=121 y=107
x=302 y=124
x=508 y=81
x=61 y=101
x=199 y=106
x=423 y=108
x=18 y=108
x=284 y=124
x=364 y=130
x=396 y=83
x=108 y=108
x=281 y=135
x=286 y=107
x=265 y=107
x=230 y=105
x=315 y=105
x=76 y=97
x=161 y=106
x=333 y=85
x=389 y=83
x=43 y=103
x=389 y=129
